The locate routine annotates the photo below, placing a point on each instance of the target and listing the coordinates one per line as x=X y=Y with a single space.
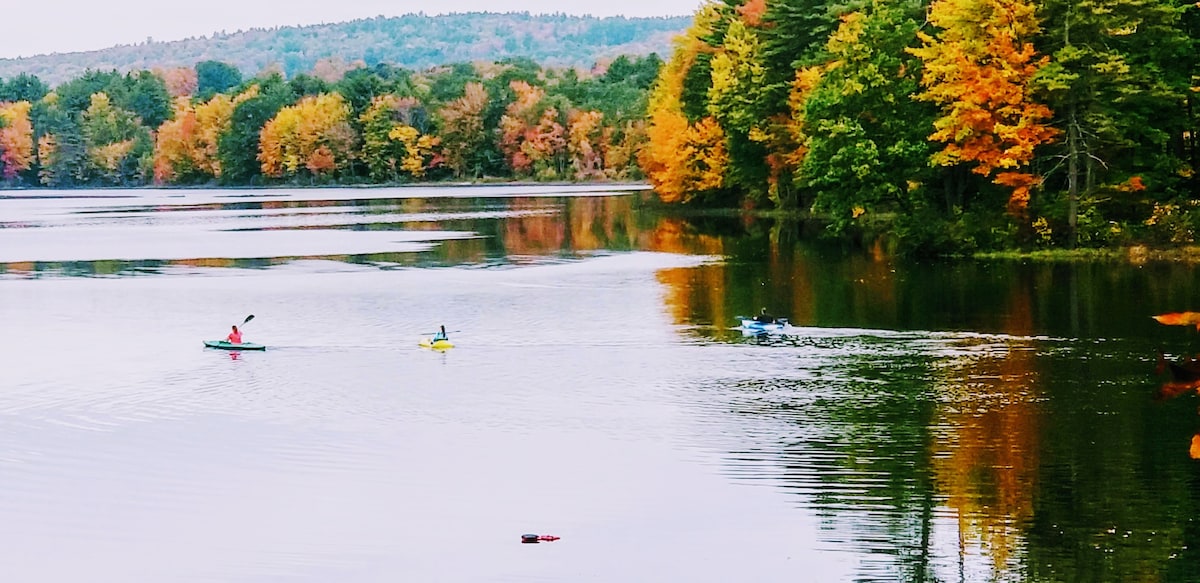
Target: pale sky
x=33 y=27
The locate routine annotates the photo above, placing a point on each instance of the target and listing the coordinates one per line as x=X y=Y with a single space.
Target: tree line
x=951 y=125
x=204 y=125
x=413 y=41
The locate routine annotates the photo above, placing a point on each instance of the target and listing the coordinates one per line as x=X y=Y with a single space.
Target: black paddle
x=248 y=318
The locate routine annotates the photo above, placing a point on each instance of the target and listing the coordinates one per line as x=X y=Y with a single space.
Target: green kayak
x=223 y=345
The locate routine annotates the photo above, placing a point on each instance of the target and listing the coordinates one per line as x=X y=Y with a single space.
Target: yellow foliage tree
x=16 y=139
x=419 y=150
x=313 y=135
x=682 y=159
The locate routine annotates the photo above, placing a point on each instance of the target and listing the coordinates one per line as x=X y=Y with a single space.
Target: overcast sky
x=33 y=27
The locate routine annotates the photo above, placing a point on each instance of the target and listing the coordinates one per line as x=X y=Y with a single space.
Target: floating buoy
x=537 y=538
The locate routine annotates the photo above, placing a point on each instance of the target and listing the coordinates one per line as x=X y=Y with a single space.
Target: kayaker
x=441 y=335
x=234 y=337
x=764 y=318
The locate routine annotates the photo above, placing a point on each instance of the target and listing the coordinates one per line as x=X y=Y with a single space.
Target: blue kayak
x=760 y=327
x=224 y=345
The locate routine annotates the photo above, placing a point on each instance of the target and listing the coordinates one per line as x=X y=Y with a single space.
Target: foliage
x=314 y=135
x=393 y=147
x=213 y=77
x=531 y=133
x=979 y=69
x=983 y=124
x=23 y=87
x=117 y=146
x=238 y=147
x=865 y=143
x=187 y=146
x=684 y=159
x=16 y=139
x=463 y=131
x=416 y=41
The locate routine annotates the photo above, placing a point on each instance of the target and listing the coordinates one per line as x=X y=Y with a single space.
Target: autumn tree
x=312 y=138
x=621 y=146
x=865 y=140
x=979 y=68
x=586 y=144
x=393 y=146
x=119 y=148
x=174 y=144
x=737 y=73
x=16 y=139
x=420 y=150
x=682 y=159
x=532 y=136
x=463 y=132
x=238 y=147
x=187 y=146
x=180 y=81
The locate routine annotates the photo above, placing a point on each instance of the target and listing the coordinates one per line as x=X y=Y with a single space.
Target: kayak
x=224 y=345
x=756 y=326
x=435 y=344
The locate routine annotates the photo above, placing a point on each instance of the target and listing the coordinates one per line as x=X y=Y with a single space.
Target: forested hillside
x=953 y=125
x=412 y=41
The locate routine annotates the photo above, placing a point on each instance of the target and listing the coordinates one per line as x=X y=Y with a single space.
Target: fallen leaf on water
x=1179 y=319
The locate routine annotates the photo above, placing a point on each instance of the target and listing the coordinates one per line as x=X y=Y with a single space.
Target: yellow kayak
x=435 y=344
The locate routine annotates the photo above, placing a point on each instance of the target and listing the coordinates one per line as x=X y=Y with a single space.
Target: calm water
x=940 y=422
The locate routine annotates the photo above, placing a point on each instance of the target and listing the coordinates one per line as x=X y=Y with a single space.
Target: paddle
x=248 y=318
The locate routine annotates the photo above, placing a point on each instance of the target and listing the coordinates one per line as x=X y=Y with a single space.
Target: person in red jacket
x=234 y=337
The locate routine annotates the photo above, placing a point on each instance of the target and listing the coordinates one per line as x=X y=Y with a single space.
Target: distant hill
x=413 y=41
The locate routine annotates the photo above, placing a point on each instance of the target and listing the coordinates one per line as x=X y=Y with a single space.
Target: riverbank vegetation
x=205 y=125
x=951 y=126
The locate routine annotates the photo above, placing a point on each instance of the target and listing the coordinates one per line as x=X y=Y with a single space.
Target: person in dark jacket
x=764 y=318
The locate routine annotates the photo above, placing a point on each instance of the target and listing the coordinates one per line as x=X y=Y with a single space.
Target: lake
x=957 y=421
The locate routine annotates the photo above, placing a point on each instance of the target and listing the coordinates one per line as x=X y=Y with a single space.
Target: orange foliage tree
x=979 y=68
x=173 y=144
x=313 y=135
x=682 y=159
x=16 y=139
x=532 y=138
x=185 y=147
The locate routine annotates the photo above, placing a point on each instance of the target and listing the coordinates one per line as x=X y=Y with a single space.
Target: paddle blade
x=1179 y=319
x=248 y=318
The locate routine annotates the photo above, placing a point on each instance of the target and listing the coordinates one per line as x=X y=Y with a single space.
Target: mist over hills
x=413 y=41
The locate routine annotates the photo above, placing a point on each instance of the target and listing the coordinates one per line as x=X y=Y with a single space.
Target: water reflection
x=448 y=231
x=962 y=421
x=938 y=416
